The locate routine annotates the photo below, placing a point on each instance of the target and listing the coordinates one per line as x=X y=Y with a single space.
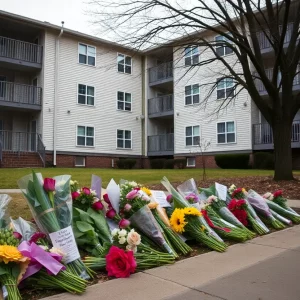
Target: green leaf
x=81 y=215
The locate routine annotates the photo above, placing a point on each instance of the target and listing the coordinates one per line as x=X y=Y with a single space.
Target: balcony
x=162 y=106
x=22 y=55
x=161 y=75
x=15 y=95
x=263 y=136
x=265 y=44
x=269 y=72
x=162 y=144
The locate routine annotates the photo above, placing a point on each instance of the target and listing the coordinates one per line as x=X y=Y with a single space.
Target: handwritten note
x=161 y=198
x=64 y=240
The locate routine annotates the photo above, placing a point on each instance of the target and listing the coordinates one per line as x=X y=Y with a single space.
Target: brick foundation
x=20 y=160
x=209 y=161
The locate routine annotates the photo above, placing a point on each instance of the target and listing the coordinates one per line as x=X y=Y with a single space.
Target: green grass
x=9 y=177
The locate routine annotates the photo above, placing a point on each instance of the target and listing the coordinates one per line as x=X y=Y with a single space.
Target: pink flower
x=98 y=205
x=111 y=213
x=127 y=207
x=17 y=235
x=131 y=195
x=192 y=197
x=75 y=195
x=124 y=223
x=86 y=190
x=49 y=184
x=106 y=199
x=170 y=198
x=35 y=238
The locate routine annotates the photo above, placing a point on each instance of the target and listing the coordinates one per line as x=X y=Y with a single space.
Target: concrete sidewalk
x=265 y=268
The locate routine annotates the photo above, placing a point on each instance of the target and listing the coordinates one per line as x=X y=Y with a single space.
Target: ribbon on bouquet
x=40 y=258
x=211 y=224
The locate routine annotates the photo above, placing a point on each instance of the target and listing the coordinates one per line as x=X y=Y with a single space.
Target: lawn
x=9 y=177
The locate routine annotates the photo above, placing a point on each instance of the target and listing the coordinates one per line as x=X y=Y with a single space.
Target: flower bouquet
x=24 y=228
x=186 y=218
x=260 y=205
x=4 y=218
x=12 y=264
x=255 y=222
x=51 y=205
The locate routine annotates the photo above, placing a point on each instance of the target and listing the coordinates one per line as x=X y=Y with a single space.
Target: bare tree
x=203 y=147
x=182 y=23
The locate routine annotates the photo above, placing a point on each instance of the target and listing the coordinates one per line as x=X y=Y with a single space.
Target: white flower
x=132 y=183
x=93 y=193
x=268 y=196
x=72 y=182
x=122 y=233
x=211 y=199
x=133 y=238
x=231 y=189
x=95 y=199
x=115 y=232
x=131 y=248
x=122 y=240
x=58 y=252
x=44 y=247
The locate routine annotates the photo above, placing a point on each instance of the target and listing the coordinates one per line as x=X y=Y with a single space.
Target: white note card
x=161 y=198
x=65 y=241
x=221 y=191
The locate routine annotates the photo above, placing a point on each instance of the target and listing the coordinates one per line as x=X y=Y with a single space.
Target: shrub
x=232 y=161
x=169 y=164
x=157 y=163
x=263 y=160
x=126 y=163
x=180 y=163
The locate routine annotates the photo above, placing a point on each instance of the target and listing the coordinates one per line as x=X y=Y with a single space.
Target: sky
x=72 y=12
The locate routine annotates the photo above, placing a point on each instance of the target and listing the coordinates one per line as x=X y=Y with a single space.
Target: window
x=87 y=55
x=85 y=136
x=124 y=63
x=192 y=135
x=225 y=88
x=192 y=94
x=226 y=132
x=124 y=139
x=79 y=161
x=124 y=101
x=191 y=55
x=190 y=162
x=221 y=47
x=86 y=94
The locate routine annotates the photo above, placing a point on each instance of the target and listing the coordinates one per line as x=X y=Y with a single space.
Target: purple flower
x=170 y=198
x=192 y=197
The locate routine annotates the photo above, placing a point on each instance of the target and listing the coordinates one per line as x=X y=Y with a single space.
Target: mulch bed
x=261 y=184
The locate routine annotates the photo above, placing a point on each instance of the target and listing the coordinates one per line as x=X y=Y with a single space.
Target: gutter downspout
x=56 y=82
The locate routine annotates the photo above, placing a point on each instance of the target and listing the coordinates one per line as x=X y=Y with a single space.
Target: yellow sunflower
x=177 y=220
x=147 y=191
x=10 y=254
x=192 y=211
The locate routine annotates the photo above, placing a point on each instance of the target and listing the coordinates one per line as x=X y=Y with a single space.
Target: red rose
x=277 y=193
x=120 y=263
x=75 y=195
x=111 y=213
x=98 y=205
x=86 y=190
x=49 y=184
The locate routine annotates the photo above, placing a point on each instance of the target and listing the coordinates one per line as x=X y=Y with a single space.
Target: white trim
x=192 y=136
x=83 y=161
x=223 y=46
x=187 y=164
x=124 y=101
x=191 y=56
x=192 y=104
x=87 y=45
x=85 y=146
x=77 y=94
x=225 y=133
x=220 y=79
x=131 y=64
x=123 y=148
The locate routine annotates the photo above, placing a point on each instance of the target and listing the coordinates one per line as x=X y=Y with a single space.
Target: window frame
x=191 y=55
x=123 y=101
x=224 y=47
x=193 y=165
x=94 y=137
x=192 y=136
x=225 y=133
x=131 y=65
x=86 y=95
x=225 y=89
x=191 y=85
x=76 y=165
x=124 y=139
x=87 y=56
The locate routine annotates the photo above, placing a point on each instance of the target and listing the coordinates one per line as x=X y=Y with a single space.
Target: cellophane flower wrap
x=261 y=207
x=201 y=231
x=4 y=218
x=52 y=211
x=24 y=228
x=134 y=207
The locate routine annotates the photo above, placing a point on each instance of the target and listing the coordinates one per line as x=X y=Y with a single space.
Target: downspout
x=56 y=82
x=143 y=110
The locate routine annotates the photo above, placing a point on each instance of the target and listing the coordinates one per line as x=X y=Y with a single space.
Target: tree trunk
x=282 y=135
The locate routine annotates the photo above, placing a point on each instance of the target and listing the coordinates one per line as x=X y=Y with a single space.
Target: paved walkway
x=265 y=268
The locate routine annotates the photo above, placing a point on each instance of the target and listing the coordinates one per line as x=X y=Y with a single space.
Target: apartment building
x=70 y=99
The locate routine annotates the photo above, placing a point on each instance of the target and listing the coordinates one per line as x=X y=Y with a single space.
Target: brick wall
x=209 y=161
x=20 y=160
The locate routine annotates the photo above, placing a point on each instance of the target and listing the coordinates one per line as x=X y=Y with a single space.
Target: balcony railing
x=15 y=94
x=20 y=50
x=160 y=106
x=162 y=144
x=21 y=142
x=263 y=135
x=269 y=72
x=161 y=72
x=264 y=37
